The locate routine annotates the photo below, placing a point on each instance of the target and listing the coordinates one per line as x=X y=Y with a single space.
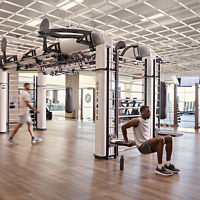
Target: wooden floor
x=63 y=168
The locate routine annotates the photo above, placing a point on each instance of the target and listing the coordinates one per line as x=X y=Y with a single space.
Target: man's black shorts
x=145 y=148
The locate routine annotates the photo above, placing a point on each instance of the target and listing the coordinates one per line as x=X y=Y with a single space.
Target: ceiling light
x=63 y=3
x=156 y=16
x=79 y=1
x=68 y=6
x=34 y=22
x=152 y=17
x=95 y=20
x=144 y=19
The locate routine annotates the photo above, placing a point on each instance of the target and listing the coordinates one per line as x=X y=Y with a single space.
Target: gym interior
x=91 y=66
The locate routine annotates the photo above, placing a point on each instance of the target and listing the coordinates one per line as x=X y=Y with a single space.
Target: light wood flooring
x=63 y=168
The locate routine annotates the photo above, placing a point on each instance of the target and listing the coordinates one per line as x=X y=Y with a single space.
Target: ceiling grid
x=171 y=28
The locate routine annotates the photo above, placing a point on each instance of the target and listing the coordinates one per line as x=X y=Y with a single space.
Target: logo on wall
x=88 y=98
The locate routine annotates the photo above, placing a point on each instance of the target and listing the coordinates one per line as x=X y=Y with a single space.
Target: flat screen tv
x=189 y=81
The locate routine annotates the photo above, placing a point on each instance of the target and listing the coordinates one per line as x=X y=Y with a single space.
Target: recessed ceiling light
x=152 y=17
x=156 y=16
x=34 y=22
x=79 y=1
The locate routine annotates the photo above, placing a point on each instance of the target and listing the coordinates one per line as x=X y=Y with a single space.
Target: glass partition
x=186 y=105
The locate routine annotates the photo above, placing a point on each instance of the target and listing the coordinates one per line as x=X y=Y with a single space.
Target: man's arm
x=31 y=107
x=132 y=123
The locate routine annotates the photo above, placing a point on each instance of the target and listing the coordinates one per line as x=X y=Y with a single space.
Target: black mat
x=171 y=133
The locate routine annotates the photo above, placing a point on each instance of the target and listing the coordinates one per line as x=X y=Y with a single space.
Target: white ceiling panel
x=21 y=2
x=29 y=13
x=9 y=7
x=183 y=15
x=170 y=27
x=163 y=4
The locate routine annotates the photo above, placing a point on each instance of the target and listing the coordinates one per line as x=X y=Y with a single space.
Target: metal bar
x=126 y=99
x=125 y=65
x=128 y=91
x=107 y=105
x=8 y=106
x=128 y=75
x=132 y=67
x=123 y=108
x=126 y=116
x=116 y=150
x=34 y=101
x=154 y=114
x=131 y=59
x=36 y=95
x=159 y=94
x=145 y=83
x=130 y=83
x=196 y=105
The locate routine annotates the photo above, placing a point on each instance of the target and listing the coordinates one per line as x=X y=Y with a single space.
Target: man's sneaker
x=34 y=140
x=11 y=141
x=172 y=168
x=163 y=171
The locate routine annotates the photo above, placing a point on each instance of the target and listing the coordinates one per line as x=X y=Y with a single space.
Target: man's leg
x=157 y=144
x=169 y=145
x=33 y=138
x=15 y=130
x=30 y=129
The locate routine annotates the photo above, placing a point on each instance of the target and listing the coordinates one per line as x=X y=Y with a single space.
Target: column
x=196 y=105
x=150 y=95
x=100 y=102
x=41 y=101
x=3 y=101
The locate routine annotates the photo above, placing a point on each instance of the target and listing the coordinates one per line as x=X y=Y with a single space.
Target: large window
x=186 y=106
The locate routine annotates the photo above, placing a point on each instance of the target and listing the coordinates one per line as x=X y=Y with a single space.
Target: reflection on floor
x=63 y=168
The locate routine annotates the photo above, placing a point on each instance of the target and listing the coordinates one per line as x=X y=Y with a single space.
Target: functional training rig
x=135 y=63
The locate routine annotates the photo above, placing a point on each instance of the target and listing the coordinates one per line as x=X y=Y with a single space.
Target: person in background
x=24 y=115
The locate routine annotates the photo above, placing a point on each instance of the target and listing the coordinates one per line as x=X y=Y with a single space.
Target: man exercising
x=24 y=115
x=141 y=130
